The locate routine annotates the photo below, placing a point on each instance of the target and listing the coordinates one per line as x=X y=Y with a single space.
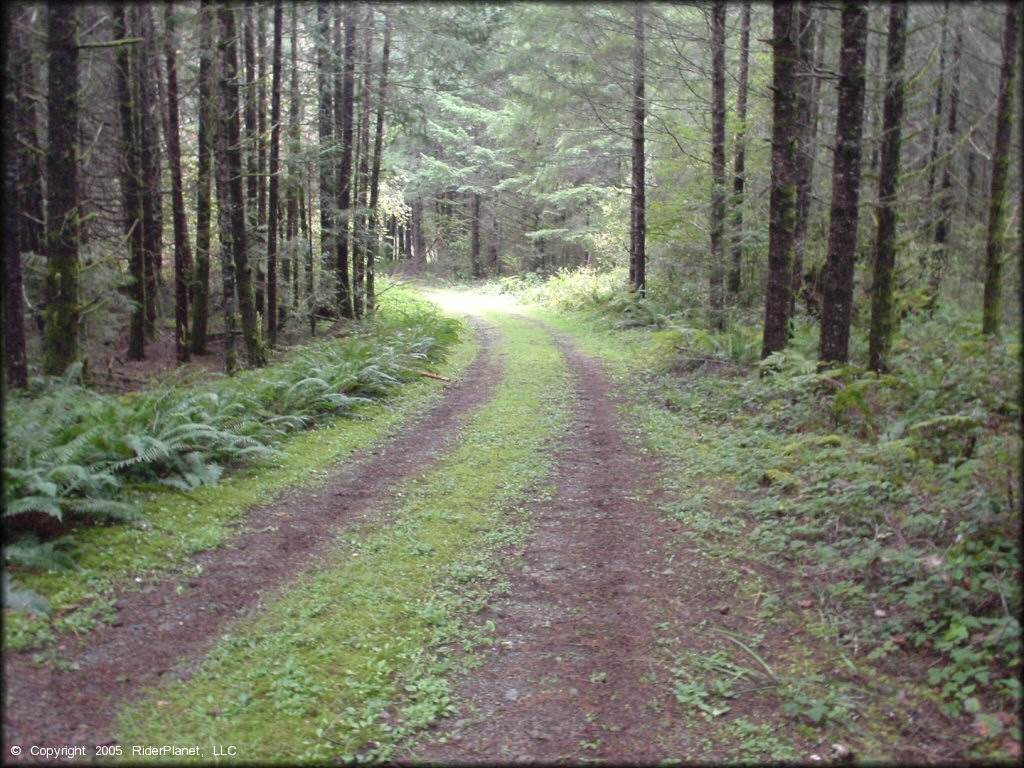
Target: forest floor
x=495 y=579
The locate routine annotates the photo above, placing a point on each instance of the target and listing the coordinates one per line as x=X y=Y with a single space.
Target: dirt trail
x=573 y=674
x=161 y=628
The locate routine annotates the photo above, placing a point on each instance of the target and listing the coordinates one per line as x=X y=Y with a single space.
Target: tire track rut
x=572 y=676
x=163 y=628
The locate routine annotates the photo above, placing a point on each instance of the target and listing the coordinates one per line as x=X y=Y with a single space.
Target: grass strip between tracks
x=357 y=653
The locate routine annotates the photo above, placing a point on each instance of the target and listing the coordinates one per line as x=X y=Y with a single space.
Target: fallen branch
x=430 y=375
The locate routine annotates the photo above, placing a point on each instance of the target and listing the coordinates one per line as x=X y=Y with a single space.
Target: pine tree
x=991 y=317
x=880 y=342
x=842 y=240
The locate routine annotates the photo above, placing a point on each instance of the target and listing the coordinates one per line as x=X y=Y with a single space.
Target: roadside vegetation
x=123 y=485
x=886 y=508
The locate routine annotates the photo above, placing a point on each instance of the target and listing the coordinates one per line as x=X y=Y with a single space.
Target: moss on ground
x=355 y=654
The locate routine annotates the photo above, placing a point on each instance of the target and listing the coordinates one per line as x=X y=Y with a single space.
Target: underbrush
x=74 y=454
x=894 y=499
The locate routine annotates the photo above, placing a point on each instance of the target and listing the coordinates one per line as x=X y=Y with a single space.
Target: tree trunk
x=940 y=251
x=474 y=230
x=807 y=111
x=15 y=362
x=717 y=283
x=234 y=240
x=880 y=341
x=62 y=227
x=991 y=317
x=30 y=222
x=419 y=245
x=131 y=183
x=204 y=179
x=933 y=155
x=251 y=155
x=842 y=242
x=272 y=213
x=784 y=175
x=638 y=230
x=378 y=143
x=344 y=191
x=362 y=177
x=182 y=248
x=294 y=171
x=735 y=279
x=152 y=205
x=261 y=232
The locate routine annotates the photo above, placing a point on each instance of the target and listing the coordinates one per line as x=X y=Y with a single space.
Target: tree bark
x=638 y=230
x=717 y=281
x=882 y=322
x=344 y=189
x=251 y=155
x=261 y=233
x=842 y=242
x=294 y=180
x=739 y=174
x=419 y=245
x=204 y=179
x=940 y=250
x=62 y=214
x=807 y=129
x=361 y=185
x=784 y=176
x=378 y=143
x=274 y=206
x=182 y=248
x=933 y=154
x=31 y=224
x=474 y=231
x=149 y=137
x=15 y=361
x=235 y=240
x=131 y=183
x=991 y=318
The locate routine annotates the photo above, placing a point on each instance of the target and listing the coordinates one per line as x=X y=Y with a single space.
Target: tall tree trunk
x=785 y=31
x=204 y=179
x=361 y=185
x=272 y=213
x=474 y=235
x=940 y=250
x=131 y=183
x=842 y=240
x=378 y=144
x=294 y=173
x=15 y=362
x=991 y=317
x=182 y=248
x=261 y=232
x=30 y=222
x=419 y=245
x=807 y=129
x=234 y=240
x=62 y=215
x=344 y=182
x=739 y=174
x=152 y=206
x=933 y=154
x=717 y=282
x=251 y=154
x=638 y=230
x=326 y=130
x=880 y=340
